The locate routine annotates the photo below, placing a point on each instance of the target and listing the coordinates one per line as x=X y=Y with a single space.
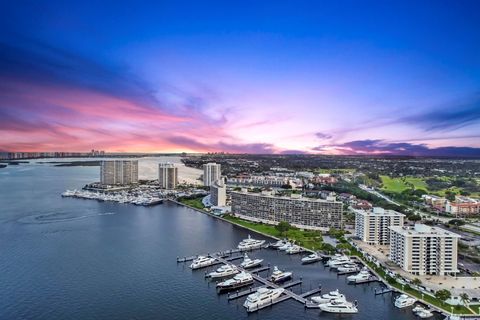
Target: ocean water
x=64 y=258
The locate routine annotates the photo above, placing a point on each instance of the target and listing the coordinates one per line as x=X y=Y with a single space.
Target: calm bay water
x=63 y=258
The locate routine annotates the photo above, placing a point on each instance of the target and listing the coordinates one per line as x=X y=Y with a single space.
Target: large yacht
x=311 y=258
x=249 y=263
x=403 y=301
x=262 y=297
x=425 y=314
x=362 y=276
x=348 y=267
x=328 y=297
x=294 y=249
x=250 y=243
x=280 y=276
x=240 y=280
x=202 y=261
x=224 y=271
x=338 y=260
x=339 y=307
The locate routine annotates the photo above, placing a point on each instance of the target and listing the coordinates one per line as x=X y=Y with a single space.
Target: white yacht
x=250 y=243
x=294 y=249
x=278 y=244
x=224 y=271
x=417 y=309
x=202 y=261
x=328 y=297
x=249 y=263
x=285 y=246
x=240 y=280
x=403 y=301
x=338 y=260
x=425 y=314
x=280 y=276
x=339 y=307
x=348 y=268
x=311 y=258
x=262 y=297
x=362 y=276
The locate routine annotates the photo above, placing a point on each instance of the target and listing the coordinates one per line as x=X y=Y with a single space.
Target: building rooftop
x=422 y=229
x=379 y=211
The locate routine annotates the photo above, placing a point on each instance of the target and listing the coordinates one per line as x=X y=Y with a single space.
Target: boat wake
x=58 y=217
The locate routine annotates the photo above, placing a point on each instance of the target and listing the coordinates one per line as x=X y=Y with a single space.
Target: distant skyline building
x=119 y=172
x=424 y=250
x=211 y=173
x=372 y=226
x=167 y=175
x=218 y=193
x=305 y=213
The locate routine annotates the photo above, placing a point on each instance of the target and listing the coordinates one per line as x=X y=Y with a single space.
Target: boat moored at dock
x=403 y=301
x=250 y=244
x=363 y=276
x=242 y=279
x=311 y=258
x=339 y=307
x=202 y=262
x=263 y=296
x=280 y=276
x=328 y=297
x=250 y=263
x=224 y=271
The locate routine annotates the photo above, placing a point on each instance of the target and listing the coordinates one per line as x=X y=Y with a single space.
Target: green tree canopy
x=443 y=295
x=283 y=227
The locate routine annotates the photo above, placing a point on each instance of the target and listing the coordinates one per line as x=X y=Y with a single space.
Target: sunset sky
x=338 y=77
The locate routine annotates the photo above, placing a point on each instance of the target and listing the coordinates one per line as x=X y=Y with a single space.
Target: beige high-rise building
x=305 y=213
x=424 y=250
x=211 y=173
x=218 y=193
x=372 y=226
x=119 y=172
x=167 y=175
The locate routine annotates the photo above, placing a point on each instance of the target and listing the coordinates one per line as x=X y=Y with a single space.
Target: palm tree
x=416 y=282
x=465 y=299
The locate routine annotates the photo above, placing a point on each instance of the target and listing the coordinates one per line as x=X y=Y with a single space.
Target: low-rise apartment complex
x=372 y=226
x=305 y=213
x=424 y=250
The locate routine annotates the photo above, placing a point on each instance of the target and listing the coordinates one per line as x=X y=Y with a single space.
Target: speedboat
x=250 y=243
x=403 y=301
x=348 y=268
x=240 y=280
x=339 y=307
x=338 y=261
x=311 y=258
x=202 y=261
x=285 y=246
x=224 y=271
x=362 y=276
x=328 y=297
x=262 y=297
x=425 y=313
x=249 y=263
x=280 y=276
x=278 y=244
x=294 y=249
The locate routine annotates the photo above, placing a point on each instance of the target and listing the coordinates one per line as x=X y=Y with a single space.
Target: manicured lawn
x=400 y=184
x=196 y=203
x=308 y=239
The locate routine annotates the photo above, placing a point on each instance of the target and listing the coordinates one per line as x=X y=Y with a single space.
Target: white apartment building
x=211 y=173
x=424 y=250
x=167 y=175
x=218 y=193
x=372 y=226
x=119 y=172
x=305 y=213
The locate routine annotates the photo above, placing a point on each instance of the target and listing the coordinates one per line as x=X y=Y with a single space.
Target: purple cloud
x=398 y=148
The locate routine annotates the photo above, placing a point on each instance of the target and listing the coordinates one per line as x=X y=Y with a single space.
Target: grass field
x=400 y=184
x=308 y=239
x=196 y=203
